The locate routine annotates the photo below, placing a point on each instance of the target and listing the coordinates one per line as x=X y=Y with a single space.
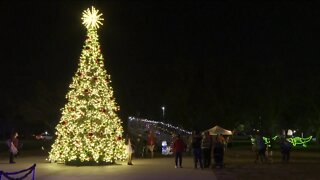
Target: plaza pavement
x=143 y=168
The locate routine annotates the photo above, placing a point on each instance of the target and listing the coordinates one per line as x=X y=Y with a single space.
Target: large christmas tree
x=89 y=129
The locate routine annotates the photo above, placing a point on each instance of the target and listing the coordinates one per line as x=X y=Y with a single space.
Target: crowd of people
x=202 y=146
x=264 y=151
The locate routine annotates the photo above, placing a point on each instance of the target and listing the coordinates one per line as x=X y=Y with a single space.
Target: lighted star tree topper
x=91 y=19
x=89 y=129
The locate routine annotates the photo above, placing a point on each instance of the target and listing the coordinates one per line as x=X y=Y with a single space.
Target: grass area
x=239 y=164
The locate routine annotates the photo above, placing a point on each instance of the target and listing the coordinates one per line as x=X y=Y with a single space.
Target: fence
x=25 y=172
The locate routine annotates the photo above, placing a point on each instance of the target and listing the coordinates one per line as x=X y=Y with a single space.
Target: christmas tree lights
x=89 y=129
x=91 y=19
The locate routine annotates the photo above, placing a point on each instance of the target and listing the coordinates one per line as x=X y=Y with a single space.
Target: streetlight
x=163 y=108
x=260 y=123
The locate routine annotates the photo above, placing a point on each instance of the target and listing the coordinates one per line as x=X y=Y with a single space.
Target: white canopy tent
x=219 y=130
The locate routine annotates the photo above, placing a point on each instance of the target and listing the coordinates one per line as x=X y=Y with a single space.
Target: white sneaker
x=175 y=166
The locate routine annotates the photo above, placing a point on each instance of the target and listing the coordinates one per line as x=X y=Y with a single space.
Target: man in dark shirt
x=196 y=146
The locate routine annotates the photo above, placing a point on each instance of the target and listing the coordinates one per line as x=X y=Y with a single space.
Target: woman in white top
x=129 y=151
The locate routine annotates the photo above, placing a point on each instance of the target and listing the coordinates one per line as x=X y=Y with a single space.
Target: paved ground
x=239 y=165
x=157 y=168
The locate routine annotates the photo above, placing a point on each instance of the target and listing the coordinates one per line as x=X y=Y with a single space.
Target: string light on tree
x=89 y=129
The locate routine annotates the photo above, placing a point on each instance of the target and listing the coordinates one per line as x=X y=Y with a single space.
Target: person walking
x=179 y=147
x=206 y=145
x=196 y=147
x=13 y=143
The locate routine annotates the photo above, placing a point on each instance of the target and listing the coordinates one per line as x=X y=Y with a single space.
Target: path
x=157 y=168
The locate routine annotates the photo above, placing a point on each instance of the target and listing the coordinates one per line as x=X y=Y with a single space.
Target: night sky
x=207 y=62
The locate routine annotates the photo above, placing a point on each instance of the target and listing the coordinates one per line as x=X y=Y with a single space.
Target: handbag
x=13 y=149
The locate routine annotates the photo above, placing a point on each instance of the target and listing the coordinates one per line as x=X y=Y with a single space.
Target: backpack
x=287 y=145
x=8 y=142
x=260 y=144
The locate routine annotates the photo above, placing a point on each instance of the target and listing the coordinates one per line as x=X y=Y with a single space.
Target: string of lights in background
x=159 y=123
x=295 y=141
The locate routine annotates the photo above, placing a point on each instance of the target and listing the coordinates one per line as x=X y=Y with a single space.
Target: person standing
x=270 y=149
x=178 y=147
x=144 y=147
x=151 y=141
x=206 y=145
x=129 y=150
x=196 y=146
x=285 y=146
x=218 y=151
x=261 y=148
x=13 y=143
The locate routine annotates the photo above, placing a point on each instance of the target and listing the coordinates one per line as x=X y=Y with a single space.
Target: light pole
x=163 y=108
x=260 y=123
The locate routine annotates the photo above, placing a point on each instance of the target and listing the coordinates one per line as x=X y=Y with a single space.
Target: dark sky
x=190 y=56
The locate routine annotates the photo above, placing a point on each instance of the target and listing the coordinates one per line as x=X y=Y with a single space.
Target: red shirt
x=178 y=145
x=151 y=140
